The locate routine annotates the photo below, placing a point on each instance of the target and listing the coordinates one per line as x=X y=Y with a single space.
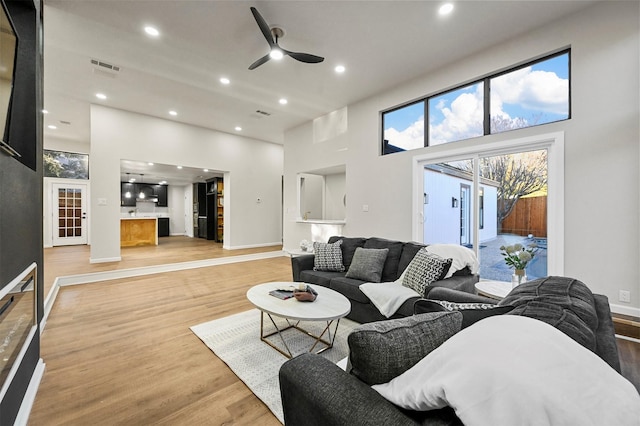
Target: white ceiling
x=381 y=44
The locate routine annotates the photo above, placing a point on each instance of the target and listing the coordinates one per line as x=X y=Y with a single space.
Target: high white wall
x=253 y=170
x=602 y=149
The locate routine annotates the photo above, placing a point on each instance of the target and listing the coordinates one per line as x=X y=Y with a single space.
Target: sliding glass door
x=485 y=201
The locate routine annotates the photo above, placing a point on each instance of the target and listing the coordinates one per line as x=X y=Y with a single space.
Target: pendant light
x=141 y=194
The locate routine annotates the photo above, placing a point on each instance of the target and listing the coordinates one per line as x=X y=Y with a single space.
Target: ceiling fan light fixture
x=276 y=54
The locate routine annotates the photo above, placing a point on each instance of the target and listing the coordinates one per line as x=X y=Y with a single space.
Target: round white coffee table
x=328 y=307
x=494 y=289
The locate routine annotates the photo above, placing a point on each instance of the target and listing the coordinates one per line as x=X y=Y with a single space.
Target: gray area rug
x=236 y=340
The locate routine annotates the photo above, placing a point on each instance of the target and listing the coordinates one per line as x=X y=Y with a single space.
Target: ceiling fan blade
x=266 y=31
x=304 y=57
x=259 y=62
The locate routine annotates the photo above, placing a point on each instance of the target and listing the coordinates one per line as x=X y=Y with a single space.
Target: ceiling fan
x=272 y=35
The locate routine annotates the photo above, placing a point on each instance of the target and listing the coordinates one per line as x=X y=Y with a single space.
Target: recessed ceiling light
x=131 y=180
x=101 y=96
x=52 y=127
x=283 y=101
x=238 y=128
x=150 y=164
x=151 y=31
x=44 y=111
x=445 y=9
x=205 y=170
x=225 y=80
x=179 y=167
x=339 y=69
x=172 y=112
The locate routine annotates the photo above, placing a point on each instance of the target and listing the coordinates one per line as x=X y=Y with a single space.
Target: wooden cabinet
x=220 y=212
x=215 y=210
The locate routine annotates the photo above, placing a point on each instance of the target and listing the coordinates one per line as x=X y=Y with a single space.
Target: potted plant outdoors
x=517 y=257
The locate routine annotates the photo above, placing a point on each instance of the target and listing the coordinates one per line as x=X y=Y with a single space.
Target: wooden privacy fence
x=529 y=216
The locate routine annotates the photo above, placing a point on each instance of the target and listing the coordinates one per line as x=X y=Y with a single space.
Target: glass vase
x=518 y=277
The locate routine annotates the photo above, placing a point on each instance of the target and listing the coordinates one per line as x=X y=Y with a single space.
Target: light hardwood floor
x=120 y=352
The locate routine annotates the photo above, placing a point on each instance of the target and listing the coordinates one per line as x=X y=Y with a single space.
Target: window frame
x=486 y=80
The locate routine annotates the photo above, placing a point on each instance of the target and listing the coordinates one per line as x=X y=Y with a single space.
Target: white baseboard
x=625 y=310
x=48 y=303
x=279 y=243
x=30 y=395
x=158 y=269
x=105 y=259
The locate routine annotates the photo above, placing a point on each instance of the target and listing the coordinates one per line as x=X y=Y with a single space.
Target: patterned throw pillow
x=328 y=257
x=424 y=269
x=471 y=312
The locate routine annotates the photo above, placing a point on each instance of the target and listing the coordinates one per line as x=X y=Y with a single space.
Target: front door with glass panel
x=70 y=214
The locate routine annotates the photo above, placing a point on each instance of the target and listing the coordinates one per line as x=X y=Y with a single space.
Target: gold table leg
x=318 y=339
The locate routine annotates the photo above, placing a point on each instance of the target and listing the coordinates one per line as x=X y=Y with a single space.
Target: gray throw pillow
x=424 y=269
x=380 y=351
x=367 y=264
x=328 y=257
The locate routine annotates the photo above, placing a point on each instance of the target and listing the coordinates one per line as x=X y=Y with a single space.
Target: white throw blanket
x=461 y=256
x=388 y=297
x=511 y=370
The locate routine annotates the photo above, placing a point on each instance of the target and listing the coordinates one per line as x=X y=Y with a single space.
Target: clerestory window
x=528 y=95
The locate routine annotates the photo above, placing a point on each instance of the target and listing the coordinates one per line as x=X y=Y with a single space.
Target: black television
x=8 y=55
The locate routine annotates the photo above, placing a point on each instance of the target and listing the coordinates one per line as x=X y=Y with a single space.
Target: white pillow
x=514 y=370
x=461 y=256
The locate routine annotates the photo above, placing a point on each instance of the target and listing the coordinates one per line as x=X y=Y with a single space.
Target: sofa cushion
x=409 y=251
x=349 y=288
x=380 y=351
x=322 y=278
x=349 y=246
x=424 y=269
x=328 y=256
x=367 y=264
x=390 y=270
x=565 y=303
x=471 y=312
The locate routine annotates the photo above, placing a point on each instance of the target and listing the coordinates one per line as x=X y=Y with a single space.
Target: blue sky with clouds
x=536 y=94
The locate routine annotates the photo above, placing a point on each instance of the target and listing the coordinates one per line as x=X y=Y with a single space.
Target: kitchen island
x=138 y=231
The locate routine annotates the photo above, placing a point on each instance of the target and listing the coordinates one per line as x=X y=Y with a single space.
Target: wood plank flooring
x=120 y=352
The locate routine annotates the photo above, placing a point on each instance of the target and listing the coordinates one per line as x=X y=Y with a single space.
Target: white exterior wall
x=601 y=140
x=117 y=135
x=442 y=222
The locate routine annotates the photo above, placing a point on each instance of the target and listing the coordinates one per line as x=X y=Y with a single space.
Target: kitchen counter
x=138 y=231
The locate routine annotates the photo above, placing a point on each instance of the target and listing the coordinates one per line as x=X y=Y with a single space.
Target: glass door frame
x=552 y=142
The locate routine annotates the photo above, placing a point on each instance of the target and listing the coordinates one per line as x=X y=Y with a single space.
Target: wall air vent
x=265 y=113
x=105 y=65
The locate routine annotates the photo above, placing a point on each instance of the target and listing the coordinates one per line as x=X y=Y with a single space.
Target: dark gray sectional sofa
x=398 y=258
x=317 y=392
